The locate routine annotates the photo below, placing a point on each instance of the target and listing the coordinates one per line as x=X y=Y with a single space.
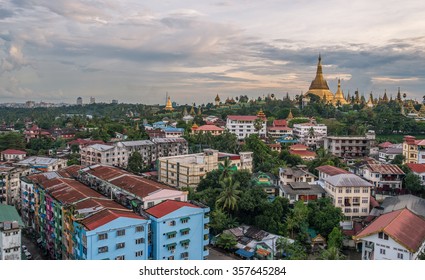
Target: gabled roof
x=347 y=180
x=280 y=123
x=209 y=127
x=332 y=170
x=385 y=145
x=416 y=167
x=385 y=168
x=168 y=206
x=105 y=216
x=403 y=226
x=13 y=152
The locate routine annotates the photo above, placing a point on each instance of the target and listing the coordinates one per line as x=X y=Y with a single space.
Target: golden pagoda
x=217 y=100
x=192 y=111
x=199 y=111
x=370 y=101
x=410 y=108
x=319 y=86
x=349 y=98
x=339 y=96
x=169 y=105
x=385 y=98
x=290 y=116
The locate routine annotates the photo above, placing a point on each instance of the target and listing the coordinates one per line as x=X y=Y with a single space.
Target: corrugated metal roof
x=403 y=226
x=332 y=170
x=416 y=167
x=411 y=202
x=385 y=168
x=105 y=216
x=347 y=180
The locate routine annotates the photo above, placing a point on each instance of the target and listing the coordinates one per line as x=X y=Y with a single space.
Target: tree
x=335 y=238
x=135 y=163
x=226 y=167
x=258 y=125
x=398 y=159
x=297 y=221
x=221 y=221
x=412 y=182
x=331 y=253
x=226 y=241
x=323 y=216
x=228 y=198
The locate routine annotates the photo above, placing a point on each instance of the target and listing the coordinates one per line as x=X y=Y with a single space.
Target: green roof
x=9 y=214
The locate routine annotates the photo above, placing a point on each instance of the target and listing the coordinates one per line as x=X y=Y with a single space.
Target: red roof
x=385 y=145
x=373 y=202
x=242 y=118
x=105 y=216
x=298 y=147
x=385 y=168
x=168 y=206
x=416 y=167
x=14 y=152
x=279 y=128
x=332 y=170
x=403 y=226
x=209 y=127
x=280 y=123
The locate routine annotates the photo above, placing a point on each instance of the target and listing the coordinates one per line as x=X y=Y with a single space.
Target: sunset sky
x=136 y=51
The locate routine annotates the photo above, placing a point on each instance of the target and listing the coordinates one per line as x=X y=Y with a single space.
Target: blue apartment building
x=112 y=235
x=179 y=230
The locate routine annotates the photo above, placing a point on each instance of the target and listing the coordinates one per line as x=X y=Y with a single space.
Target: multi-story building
x=43 y=164
x=295 y=191
x=350 y=146
x=387 y=179
x=310 y=133
x=117 y=154
x=350 y=193
x=173 y=132
x=179 y=230
x=326 y=171
x=243 y=126
x=295 y=174
x=388 y=154
x=302 y=151
x=10 y=233
x=112 y=234
x=130 y=190
x=188 y=170
x=10 y=184
x=208 y=128
x=11 y=154
x=397 y=235
x=278 y=129
x=413 y=150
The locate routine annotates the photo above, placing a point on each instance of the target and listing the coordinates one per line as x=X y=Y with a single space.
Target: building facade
x=10 y=233
x=243 y=126
x=310 y=133
x=386 y=178
x=180 y=230
x=413 y=150
x=350 y=146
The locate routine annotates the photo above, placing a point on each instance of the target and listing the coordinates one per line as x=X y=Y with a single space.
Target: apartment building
x=295 y=174
x=243 y=126
x=310 y=133
x=413 y=150
x=11 y=154
x=350 y=193
x=350 y=146
x=386 y=178
x=180 y=230
x=278 y=129
x=188 y=170
x=10 y=233
x=10 y=184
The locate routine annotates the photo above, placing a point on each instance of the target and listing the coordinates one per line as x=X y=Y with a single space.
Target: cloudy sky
x=136 y=51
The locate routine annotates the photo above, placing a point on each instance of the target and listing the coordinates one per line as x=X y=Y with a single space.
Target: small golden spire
x=169 y=106
x=290 y=116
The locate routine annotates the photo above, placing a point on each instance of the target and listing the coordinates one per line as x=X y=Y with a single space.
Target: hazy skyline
x=136 y=51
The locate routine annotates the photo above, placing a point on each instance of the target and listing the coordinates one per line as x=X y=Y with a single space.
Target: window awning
x=186 y=241
x=184 y=218
x=171 y=233
x=171 y=245
x=184 y=229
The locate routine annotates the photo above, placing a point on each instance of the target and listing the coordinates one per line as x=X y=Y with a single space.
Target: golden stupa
x=370 y=101
x=339 y=96
x=290 y=116
x=319 y=86
x=261 y=114
x=169 y=105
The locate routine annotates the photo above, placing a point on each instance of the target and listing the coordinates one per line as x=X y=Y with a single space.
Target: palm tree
x=228 y=198
x=226 y=168
x=258 y=125
x=332 y=253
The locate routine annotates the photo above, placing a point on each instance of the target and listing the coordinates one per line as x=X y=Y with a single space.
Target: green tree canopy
x=135 y=163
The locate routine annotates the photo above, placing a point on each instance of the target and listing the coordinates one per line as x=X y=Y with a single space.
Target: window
x=171 y=258
x=382 y=251
x=120 y=245
x=184 y=255
x=365 y=200
x=339 y=190
x=364 y=210
x=356 y=190
x=172 y=223
x=348 y=190
x=171 y=234
x=140 y=228
x=102 y=236
x=102 y=249
x=140 y=240
x=121 y=232
x=400 y=256
x=150 y=204
x=355 y=210
x=120 y=257
x=185 y=220
x=382 y=235
x=339 y=200
x=171 y=247
x=139 y=254
x=184 y=231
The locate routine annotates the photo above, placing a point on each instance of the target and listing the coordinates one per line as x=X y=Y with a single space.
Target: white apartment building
x=386 y=178
x=397 y=235
x=188 y=170
x=243 y=126
x=350 y=193
x=310 y=133
x=10 y=233
x=10 y=184
x=44 y=164
x=103 y=154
